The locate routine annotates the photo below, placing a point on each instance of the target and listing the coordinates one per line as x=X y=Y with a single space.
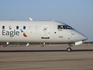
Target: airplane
x=45 y=32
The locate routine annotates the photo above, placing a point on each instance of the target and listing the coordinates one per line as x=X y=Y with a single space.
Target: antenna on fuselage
x=30 y=19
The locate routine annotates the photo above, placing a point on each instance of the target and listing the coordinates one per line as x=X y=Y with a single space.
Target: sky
x=76 y=13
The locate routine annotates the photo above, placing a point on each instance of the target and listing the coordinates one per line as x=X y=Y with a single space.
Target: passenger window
x=24 y=27
x=60 y=27
x=17 y=27
x=10 y=27
x=3 y=27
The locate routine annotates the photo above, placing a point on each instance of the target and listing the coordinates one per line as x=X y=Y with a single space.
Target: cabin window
x=24 y=27
x=64 y=27
x=60 y=27
x=67 y=27
x=17 y=27
x=10 y=27
x=3 y=27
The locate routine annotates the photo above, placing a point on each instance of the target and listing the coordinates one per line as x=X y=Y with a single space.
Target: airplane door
x=45 y=32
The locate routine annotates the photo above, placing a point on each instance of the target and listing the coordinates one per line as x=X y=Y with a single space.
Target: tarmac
x=50 y=57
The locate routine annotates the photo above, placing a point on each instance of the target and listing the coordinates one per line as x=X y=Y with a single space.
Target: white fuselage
x=38 y=32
